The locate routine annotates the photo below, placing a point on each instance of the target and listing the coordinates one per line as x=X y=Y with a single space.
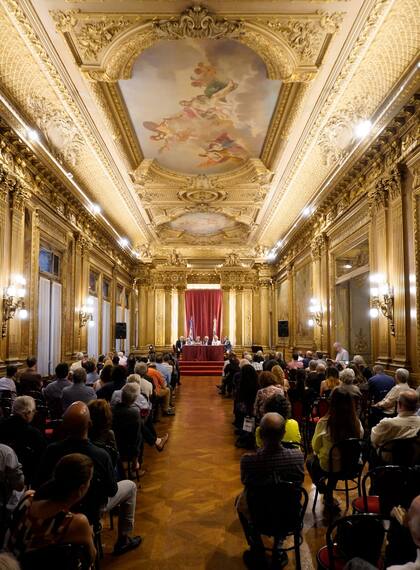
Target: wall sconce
x=316 y=311
x=382 y=300
x=86 y=313
x=13 y=302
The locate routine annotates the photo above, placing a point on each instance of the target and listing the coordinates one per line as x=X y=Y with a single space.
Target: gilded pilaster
x=247 y=317
x=4 y=261
x=168 y=317
x=181 y=311
x=17 y=243
x=159 y=316
x=225 y=311
x=239 y=316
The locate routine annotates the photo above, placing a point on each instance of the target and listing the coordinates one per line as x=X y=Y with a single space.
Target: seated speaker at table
x=215 y=341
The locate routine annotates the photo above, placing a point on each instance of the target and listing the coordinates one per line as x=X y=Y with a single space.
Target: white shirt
x=388 y=403
x=76 y=365
x=403 y=426
x=215 y=342
x=8 y=384
x=342 y=356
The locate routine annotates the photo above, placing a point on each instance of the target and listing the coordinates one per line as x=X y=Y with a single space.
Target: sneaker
x=162 y=443
x=130 y=543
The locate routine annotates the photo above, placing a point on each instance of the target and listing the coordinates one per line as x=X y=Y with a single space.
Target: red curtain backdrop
x=202 y=306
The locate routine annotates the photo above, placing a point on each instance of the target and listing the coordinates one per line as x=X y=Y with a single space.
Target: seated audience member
x=26 y=441
x=29 y=380
x=163 y=369
x=100 y=429
x=100 y=364
x=281 y=405
x=104 y=493
x=118 y=378
x=12 y=479
x=339 y=423
x=271 y=463
x=142 y=403
x=80 y=360
x=104 y=377
x=78 y=391
x=359 y=361
x=331 y=381
x=277 y=370
x=297 y=390
x=146 y=382
x=7 y=383
x=380 y=383
x=91 y=373
x=295 y=362
x=54 y=390
x=389 y=403
x=268 y=387
x=245 y=394
x=307 y=358
x=259 y=356
x=115 y=360
x=404 y=426
x=359 y=379
x=163 y=393
x=269 y=362
x=230 y=369
x=126 y=424
x=44 y=518
x=347 y=378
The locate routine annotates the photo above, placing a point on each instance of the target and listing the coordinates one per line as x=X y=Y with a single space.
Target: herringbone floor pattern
x=185 y=506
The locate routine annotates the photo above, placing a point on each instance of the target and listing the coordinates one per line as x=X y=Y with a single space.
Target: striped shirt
x=266 y=466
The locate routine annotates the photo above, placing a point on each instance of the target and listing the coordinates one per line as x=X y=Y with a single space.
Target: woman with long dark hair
x=338 y=424
x=44 y=518
x=245 y=394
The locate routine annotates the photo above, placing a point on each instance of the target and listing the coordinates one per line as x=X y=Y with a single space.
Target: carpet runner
x=201 y=368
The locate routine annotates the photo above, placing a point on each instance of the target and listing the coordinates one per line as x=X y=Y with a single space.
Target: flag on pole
x=191 y=331
x=214 y=326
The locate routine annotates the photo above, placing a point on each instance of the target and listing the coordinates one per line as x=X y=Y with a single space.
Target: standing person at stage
x=341 y=354
x=179 y=344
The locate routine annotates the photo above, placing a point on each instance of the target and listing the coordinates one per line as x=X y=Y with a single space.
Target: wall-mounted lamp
x=382 y=299
x=13 y=302
x=316 y=311
x=86 y=313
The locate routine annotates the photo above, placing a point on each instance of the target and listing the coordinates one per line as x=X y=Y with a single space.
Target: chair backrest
x=357 y=536
x=403 y=452
x=63 y=556
x=392 y=484
x=345 y=458
x=277 y=509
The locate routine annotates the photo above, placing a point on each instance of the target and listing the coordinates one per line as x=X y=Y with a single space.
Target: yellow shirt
x=292 y=433
x=321 y=442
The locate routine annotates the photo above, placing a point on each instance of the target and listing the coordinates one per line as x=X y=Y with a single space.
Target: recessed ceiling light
x=69 y=175
x=95 y=208
x=347 y=266
x=362 y=129
x=123 y=242
x=306 y=212
x=33 y=135
x=279 y=243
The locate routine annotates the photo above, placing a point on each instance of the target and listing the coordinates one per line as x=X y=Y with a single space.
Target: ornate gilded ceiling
x=203 y=125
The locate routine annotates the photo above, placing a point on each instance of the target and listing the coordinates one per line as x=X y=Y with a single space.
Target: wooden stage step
x=201 y=368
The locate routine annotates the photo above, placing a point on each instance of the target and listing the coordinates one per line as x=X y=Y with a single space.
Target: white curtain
x=106 y=321
x=118 y=319
x=43 y=326
x=55 y=328
x=93 y=330
x=127 y=340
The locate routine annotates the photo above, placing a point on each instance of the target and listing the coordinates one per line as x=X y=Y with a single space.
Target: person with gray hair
x=78 y=391
x=127 y=427
x=389 y=403
x=80 y=359
x=146 y=383
x=27 y=442
x=405 y=425
x=347 y=378
x=380 y=383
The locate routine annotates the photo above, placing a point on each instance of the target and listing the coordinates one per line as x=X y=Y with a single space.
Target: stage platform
x=201 y=368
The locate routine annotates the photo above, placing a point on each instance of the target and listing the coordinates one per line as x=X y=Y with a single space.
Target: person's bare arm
x=80 y=532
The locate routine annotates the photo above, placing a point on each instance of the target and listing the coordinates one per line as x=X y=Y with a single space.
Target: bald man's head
x=272 y=428
x=413 y=520
x=408 y=401
x=76 y=420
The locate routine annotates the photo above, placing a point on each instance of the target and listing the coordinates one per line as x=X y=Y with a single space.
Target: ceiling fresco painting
x=200 y=106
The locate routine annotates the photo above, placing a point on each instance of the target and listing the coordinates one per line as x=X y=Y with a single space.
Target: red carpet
x=201 y=368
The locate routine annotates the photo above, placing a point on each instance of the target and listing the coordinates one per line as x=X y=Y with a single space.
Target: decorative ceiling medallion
x=202 y=196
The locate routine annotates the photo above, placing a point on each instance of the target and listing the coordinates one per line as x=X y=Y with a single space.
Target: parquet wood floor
x=185 y=506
